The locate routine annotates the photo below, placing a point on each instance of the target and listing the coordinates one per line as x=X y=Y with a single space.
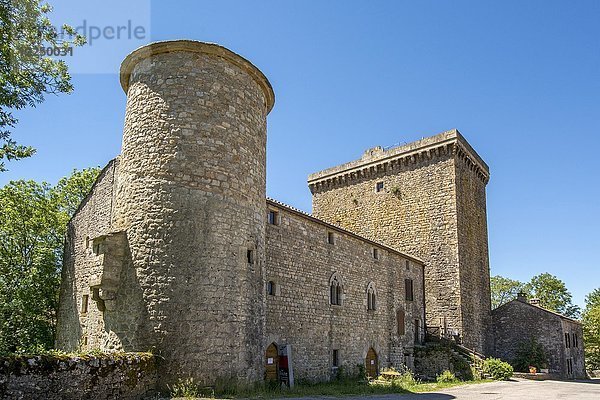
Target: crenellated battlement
x=378 y=160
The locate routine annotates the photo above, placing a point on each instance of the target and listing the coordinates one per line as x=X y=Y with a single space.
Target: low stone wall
x=432 y=360
x=539 y=376
x=107 y=376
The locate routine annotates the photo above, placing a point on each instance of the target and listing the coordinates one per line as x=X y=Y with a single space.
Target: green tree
x=504 y=290
x=25 y=74
x=553 y=295
x=33 y=219
x=591 y=330
x=593 y=299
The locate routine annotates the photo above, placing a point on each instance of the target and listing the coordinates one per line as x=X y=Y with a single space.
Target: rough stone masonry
x=177 y=251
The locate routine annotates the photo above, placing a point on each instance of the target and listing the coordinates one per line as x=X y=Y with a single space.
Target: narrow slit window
x=335 y=358
x=271 y=288
x=250 y=257
x=408 y=290
x=84 y=303
x=376 y=253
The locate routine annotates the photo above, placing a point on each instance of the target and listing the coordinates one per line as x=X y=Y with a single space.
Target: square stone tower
x=425 y=198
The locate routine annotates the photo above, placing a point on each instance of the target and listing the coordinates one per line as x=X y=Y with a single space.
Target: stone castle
x=178 y=251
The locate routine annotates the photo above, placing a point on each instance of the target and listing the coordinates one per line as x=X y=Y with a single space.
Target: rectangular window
x=250 y=257
x=408 y=289
x=330 y=238
x=379 y=187
x=271 y=288
x=375 y=253
x=576 y=340
x=273 y=217
x=567 y=340
x=401 y=323
x=84 y=303
x=335 y=358
x=407 y=265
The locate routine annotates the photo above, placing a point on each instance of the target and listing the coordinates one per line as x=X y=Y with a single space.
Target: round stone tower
x=191 y=198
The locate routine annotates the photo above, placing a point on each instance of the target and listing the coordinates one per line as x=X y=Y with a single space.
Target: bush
x=530 y=353
x=185 y=388
x=446 y=377
x=497 y=369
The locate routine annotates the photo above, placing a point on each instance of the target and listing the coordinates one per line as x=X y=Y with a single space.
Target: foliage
x=33 y=219
x=591 y=330
x=504 y=290
x=530 y=353
x=497 y=369
x=185 y=388
x=551 y=291
x=25 y=74
x=446 y=377
x=553 y=294
x=593 y=299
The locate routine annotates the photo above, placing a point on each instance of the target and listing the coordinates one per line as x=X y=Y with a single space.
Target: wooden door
x=271 y=363
x=371 y=363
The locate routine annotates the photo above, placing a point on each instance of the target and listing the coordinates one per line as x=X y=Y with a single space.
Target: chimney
x=521 y=296
x=535 y=302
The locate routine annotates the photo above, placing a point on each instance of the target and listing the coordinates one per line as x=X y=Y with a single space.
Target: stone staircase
x=474 y=359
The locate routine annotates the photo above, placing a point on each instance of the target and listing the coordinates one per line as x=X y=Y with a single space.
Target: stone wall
x=103 y=377
x=301 y=263
x=473 y=258
x=92 y=220
x=517 y=322
x=432 y=205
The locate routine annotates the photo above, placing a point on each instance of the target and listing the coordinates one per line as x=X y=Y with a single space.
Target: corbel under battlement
x=109 y=250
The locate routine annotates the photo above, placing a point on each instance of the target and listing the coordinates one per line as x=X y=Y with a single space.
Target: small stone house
x=520 y=321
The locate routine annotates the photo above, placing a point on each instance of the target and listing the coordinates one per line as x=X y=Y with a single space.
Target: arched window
x=336 y=289
x=371 y=297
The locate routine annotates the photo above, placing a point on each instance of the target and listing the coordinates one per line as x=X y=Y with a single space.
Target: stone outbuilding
x=519 y=321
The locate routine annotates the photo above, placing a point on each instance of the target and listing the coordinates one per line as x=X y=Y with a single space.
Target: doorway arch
x=272 y=363
x=371 y=363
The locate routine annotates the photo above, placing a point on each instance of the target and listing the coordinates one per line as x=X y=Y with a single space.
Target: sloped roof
x=538 y=308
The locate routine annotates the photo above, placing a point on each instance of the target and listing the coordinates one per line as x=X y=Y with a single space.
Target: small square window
x=335 y=358
x=273 y=217
x=250 y=257
x=379 y=187
x=330 y=238
x=376 y=253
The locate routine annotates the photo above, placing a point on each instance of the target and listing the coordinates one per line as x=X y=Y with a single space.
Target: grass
x=337 y=388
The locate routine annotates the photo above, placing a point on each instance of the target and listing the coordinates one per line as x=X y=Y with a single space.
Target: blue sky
x=520 y=80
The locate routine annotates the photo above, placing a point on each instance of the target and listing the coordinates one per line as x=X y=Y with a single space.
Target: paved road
x=517 y=389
